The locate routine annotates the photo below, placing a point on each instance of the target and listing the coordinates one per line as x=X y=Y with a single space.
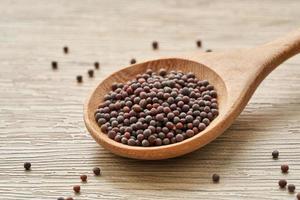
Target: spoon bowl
x=235 y=76
x=157 y=152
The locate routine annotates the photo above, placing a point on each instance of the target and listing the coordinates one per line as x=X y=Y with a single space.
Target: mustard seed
x=69 y=198
x=291 y=188
x=216 y=178
x=97 y=171
x=282 y=183
x=66 y=50
x=83 y=178
x=132 y=61
x=275 y=154
x=155 y=45
x=76 y=188
x=79 y=78
x=91 y=73
x=60 y=198
x=27 y=166
x=284 y=168
x=157 y=108
x=199 y=43
x=96 y=65
x=54 y=65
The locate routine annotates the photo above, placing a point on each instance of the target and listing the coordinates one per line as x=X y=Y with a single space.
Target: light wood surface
x=249 y=67
x=41 y=117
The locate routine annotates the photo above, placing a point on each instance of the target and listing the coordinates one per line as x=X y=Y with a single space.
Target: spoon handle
x=272 y=54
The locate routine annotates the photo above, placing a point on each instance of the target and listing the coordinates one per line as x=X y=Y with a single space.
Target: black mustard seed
x=83 y=178
x=79 y=78
x=132 y=61
x=66 y=50
x=199 y=43
x=155 y=45
x=54 y=65
x=76 y=188
x=91 y=73
x=275 y=154
x=97 y=171
x=157 y=108
x=216 y=178
x=284 y=168
x=282 y=183
x=96 y=65
x=27 y=166
x=291 y=188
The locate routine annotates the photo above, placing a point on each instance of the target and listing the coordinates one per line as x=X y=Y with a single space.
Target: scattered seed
x=60 y=198
x=284 y=168
x=83 y=178
x=27 y=166
x=275 y=154
x=76 y=188
x=91 y=73
x=216 y=178
x=97 y=65
x=69 y=198
x=282 y=183
x=155 y=45
x=54 y=65
x=199 y=43
x=79 y=78
x=132 y=61
x=208 y=50
x=66 y=50
x=298 y=196
x=291 y=188
x=97 y=171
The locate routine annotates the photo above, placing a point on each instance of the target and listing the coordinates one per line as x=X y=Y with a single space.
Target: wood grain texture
x=41 y=117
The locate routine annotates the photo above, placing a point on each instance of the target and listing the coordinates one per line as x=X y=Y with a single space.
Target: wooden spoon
x=235 y=75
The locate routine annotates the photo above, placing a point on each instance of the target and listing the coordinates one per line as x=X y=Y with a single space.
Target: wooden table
x=41 y=110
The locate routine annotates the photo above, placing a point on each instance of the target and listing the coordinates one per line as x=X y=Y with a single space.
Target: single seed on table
x=79 y=78
x=132 y=61
x=27 y=166
x=282 y=183
x=96 y=64
x=155 y=45
x=208 y=50
x=60 y=198
x=284 y=168
x=66 y=49
x=199 y=43
x=83 y=178
x=291 y=188
x=275 y=154
x=69 y=198
x=91 y=73
x=97 y=171
x=216 y=178
x=76 y=188
x=54 y=65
